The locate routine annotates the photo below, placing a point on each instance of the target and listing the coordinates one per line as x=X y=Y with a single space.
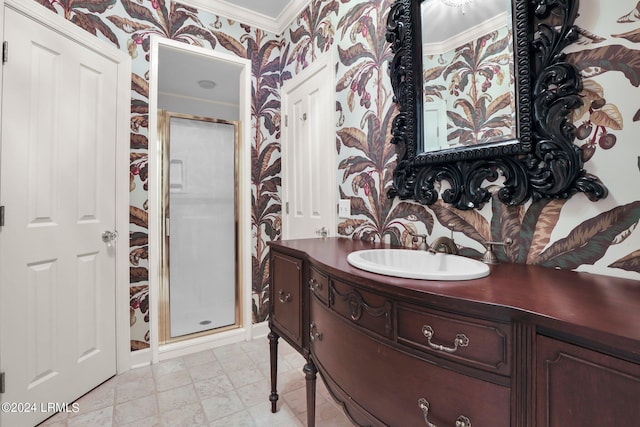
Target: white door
x=435 y=135
x=308 y=155
x=57 y=183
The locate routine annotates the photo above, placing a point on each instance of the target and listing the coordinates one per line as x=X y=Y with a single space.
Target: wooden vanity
x=525 y=346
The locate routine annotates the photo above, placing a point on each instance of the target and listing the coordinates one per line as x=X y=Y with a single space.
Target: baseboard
x=142 y=358
x=259 y=330
x=194 y=345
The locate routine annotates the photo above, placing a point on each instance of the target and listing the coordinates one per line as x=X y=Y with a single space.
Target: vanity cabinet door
x=286 y=296
x=581 y=387
x=395 y=388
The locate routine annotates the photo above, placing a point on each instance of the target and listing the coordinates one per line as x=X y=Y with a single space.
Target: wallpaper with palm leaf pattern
x=474 y=83
x=576 y=234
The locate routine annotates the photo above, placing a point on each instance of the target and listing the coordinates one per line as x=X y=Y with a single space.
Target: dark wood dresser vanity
x=525 y=346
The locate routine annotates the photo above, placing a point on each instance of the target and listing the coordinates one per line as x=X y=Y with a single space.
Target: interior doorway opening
x=175 y=75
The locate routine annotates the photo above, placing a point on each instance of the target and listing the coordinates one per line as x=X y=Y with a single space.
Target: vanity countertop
x=606 y=308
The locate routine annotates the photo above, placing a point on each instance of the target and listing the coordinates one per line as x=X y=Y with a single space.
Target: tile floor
x=228 y=386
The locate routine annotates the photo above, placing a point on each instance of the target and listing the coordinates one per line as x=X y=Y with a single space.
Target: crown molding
x=468 y=35
x=250 y=17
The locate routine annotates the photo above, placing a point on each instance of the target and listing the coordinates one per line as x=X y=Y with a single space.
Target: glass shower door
x=201 y=286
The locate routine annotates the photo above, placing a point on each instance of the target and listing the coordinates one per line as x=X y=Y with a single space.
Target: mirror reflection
x=468 y=78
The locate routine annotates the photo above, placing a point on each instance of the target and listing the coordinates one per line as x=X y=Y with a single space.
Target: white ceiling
x=179 y=73
x=270 y=8
x=441 y=22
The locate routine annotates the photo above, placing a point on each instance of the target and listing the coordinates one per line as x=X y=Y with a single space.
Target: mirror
x=485 y=104
x=467 y=74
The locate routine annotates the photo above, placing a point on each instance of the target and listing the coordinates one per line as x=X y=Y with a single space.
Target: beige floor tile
x=284 y=417
x=143 y=372
x=246 y=376
x=225 y=387
x=135 y=410
x=206 y=370
x=99 y=417
x=222 y=405
x=213 y=386
x=169 y=366
x=57 y=420
x=239 y=419
x=100 y=397
x=288 y=381
x=228 y=352
x=237 y=362
x=173 y=380
x=254 y=394
x=191 y=415
x=147 y=422
x=199 y=358
x=176 y=398
x=134 y=387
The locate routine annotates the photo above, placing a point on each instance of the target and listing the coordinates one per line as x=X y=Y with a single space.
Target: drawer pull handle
x=313 y=333
x=314 y=285
x=423 y=404
x=282 y=297
x=460 y=341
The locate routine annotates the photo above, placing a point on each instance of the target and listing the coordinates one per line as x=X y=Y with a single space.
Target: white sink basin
x=413 y=264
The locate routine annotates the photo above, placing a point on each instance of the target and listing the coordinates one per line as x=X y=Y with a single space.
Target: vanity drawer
x=479 y=343
x=395 y=387
x=368 y=310
x=319 y=284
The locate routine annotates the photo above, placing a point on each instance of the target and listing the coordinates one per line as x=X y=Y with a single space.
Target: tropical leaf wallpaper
x=575 y=234
x=475 y=84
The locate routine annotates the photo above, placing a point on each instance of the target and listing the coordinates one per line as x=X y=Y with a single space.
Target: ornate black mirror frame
x=544 y=163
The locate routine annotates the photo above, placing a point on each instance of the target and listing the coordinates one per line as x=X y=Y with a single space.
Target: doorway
x=308 y=153
x=199 y=291
x=198 y=82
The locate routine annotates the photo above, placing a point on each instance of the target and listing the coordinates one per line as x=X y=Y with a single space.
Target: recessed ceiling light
x=206 y=84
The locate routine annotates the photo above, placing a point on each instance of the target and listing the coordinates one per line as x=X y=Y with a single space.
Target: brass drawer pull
x=282 y=297
x=460 y=341
x=313 y=333
x=314 y=285
x=423 y=404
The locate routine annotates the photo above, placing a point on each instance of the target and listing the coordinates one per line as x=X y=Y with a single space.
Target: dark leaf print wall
x=128 y=24
x=575 y=234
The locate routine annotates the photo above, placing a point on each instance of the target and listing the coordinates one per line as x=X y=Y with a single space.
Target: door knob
x=109 y=236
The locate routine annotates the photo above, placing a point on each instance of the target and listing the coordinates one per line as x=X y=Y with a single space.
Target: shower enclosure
x=199 y=291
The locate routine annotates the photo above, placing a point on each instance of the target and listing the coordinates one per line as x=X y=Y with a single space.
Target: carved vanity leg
x=273 y=352
x=310 y=372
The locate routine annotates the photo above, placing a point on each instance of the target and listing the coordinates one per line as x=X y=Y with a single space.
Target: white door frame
x=155 y=200
x=66 y=28
x=324 y=63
